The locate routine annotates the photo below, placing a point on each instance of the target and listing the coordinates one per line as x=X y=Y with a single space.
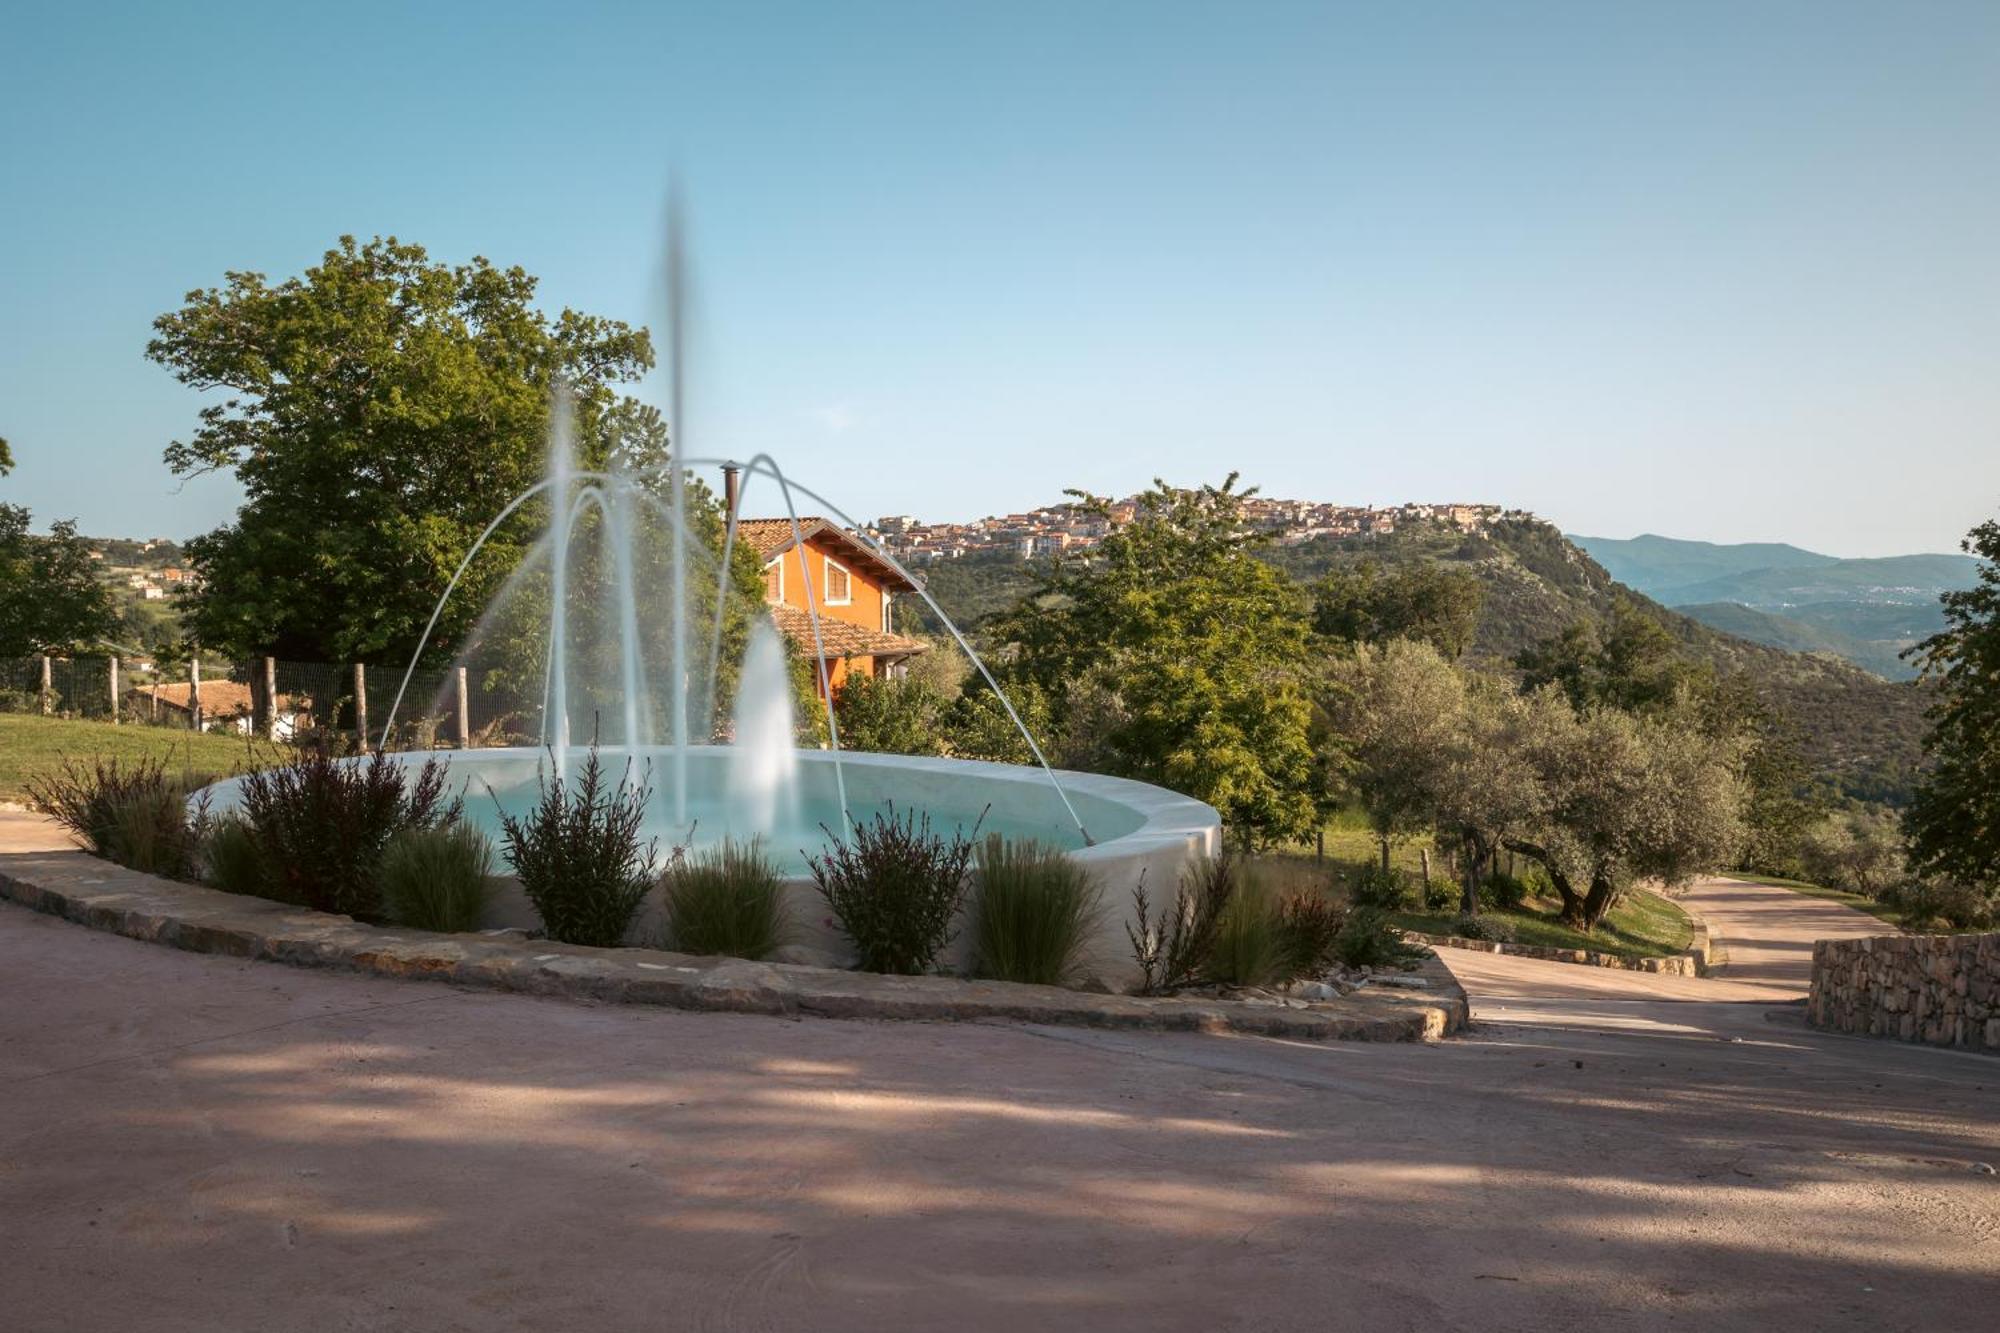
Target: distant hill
x=1866 y=610
x=1857 y=729
x=1802 y=636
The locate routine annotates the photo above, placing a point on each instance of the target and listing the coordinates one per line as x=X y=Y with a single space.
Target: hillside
x=1882 y=655
x=1857 y=729
x=1866 y=610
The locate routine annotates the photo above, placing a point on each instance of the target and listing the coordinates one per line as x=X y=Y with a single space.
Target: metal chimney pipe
x=731 y=486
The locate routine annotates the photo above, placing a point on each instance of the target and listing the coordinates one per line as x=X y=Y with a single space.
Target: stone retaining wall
x=1943 y=990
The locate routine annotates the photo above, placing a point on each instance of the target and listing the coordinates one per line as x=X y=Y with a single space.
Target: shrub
x=1033 y=910
x=728 y=899
x=321 y=824
x=437 y=878
x=20 y=701
x=1503 y=892
x=894 y=885
x=1367 y=939
x=1248 y=949
x=1470 y=927
x=1309 y=926
x=230 y=860
x=1928 y=903
x=1173 y=951
x=132 y=813
x=1391 y=889
x=579 y=856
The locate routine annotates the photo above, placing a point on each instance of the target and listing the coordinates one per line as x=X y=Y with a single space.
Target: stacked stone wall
x=1943 y=990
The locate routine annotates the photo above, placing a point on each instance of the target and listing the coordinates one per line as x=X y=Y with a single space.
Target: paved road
x=202 y=1143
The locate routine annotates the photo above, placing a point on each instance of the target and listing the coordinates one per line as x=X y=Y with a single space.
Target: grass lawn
x=32 y=746
x=1645 y=925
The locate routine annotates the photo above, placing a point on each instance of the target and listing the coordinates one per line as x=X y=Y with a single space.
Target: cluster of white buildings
x=1066 y=527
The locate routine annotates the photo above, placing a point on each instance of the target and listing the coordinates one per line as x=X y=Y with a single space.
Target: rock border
x=102 y=896
x=1694 y=961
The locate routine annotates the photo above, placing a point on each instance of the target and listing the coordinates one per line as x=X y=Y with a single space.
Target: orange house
x=852 y=588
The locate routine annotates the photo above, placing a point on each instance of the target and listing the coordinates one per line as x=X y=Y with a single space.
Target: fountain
x=622 y=627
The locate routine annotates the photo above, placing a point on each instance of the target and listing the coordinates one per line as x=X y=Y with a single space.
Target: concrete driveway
x=198 y=1143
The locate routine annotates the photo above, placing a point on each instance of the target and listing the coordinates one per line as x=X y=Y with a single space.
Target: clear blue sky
x=1728 y=270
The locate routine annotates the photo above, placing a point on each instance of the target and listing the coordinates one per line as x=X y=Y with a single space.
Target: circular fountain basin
x=1138 y=834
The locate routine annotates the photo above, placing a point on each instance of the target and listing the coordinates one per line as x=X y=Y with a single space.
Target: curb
x=102 y=896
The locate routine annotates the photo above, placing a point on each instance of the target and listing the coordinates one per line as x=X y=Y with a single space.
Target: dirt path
x=201 y=1143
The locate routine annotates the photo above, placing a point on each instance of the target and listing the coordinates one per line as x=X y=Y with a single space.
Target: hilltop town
x=1068 y=527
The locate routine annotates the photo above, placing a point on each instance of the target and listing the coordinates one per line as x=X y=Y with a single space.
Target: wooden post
x=464 y=710
x=48 y=686
x=270 y=698
x=112 y=672
x=155 y=715
x=194 y=691
x=360 y=708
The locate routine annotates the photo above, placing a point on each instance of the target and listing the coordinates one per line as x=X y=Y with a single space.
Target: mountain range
x=1866 y=610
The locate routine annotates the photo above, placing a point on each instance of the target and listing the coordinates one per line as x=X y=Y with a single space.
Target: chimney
x=731 y=485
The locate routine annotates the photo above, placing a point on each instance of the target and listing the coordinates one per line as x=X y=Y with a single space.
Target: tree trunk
x=1572 y=901
x=1385 y=854
x=1474 y=861
x=1603 y=894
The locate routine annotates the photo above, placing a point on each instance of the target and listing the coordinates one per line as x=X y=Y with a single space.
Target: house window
x=774 y=580
x=839 y=588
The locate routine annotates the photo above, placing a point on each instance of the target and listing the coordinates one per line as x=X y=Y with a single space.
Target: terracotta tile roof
x=842 y=638
x=773 y=536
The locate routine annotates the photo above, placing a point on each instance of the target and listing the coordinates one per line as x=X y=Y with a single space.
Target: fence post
x=113 y=674
x=194 y=691
x=464 y=710
x=360 y=708
x=48 y=686
x=270 y=698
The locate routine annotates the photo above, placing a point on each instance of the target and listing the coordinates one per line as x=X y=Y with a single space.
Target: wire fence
x=304 y=703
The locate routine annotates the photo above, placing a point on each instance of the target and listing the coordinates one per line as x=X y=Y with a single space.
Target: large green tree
x=51 y=600
x=1170 y=653
x=378 y=411
x=1954 y=821
x=1426 y=602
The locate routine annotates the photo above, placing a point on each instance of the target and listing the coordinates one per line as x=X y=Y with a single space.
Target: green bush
x=728 y=899
x=321 y=825
x=230 y=860
x=437 y=878
x=1493 y=928
x=1503 y=892
x=579 y=856
x=132 y=813
x=20 y=701
x=1929 y=903
x=1034 y=908
x=1367 y=939
x=1174 y=950
x=1391 y=889
x=1248 y=949
x=895 y=885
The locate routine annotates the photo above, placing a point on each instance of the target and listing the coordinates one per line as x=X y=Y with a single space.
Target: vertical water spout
x=763 y=770
x=622 y=535
x=677 y=501
x=562 y=466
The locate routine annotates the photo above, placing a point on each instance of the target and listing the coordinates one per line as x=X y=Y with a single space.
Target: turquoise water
x=789 y=837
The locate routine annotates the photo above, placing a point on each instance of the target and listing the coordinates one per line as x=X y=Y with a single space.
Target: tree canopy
x=1424 y=602
x=1171 y=654
x=378 y=411
x=51 y=600
x=1954 y=821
